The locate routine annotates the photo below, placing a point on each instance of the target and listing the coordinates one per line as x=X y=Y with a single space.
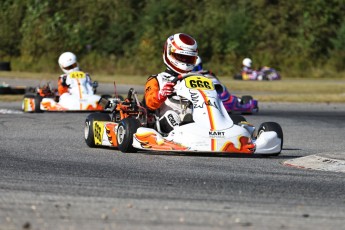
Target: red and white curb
x=317 y=163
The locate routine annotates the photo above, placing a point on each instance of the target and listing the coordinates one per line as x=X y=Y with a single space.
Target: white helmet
x=180 y=53
x=68 y=62
x=247 y=62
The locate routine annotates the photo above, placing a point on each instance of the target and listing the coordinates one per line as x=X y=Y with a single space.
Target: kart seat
x=188 y=118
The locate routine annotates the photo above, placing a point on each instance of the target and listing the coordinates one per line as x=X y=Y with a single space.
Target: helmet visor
x=185 y=58
x=71 y=66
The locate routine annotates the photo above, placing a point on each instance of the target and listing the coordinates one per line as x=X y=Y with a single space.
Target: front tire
x=89 y=129
x=125 y=130
x=272 y=126
x=37 y=104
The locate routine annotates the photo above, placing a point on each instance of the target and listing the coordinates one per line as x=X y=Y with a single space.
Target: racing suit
x=170 y=111
x=80 y=85
x=248 y=73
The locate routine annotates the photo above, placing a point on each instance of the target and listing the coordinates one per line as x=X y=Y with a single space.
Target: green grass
x=286 y=90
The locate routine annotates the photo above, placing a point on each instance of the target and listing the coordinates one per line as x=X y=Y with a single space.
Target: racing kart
x=209 y=128
x=265 y=73
x=233 y=104
x=45 y=98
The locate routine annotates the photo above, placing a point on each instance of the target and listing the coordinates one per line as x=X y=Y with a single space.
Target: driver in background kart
x=199 y=69
x=247 y=72
x=180 y=53
x=78 y=84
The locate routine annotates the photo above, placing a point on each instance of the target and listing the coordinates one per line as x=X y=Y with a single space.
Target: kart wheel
x=125 y=130
x=246 y=99
x=238 y=76
x=37 y=99
x=237 y=118
x=272 y=126
x=89 y=129
x=106 y=96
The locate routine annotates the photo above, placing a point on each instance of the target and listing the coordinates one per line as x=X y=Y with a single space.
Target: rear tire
x=246 y=99
x=272 y=126
x=125 y=130
x=237 y=118
x=89 y=129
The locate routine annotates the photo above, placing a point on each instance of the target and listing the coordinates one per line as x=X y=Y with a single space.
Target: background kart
x=233 y=104
x=130 y=126
x=263 y=74
x=7 y=89
x=46 y=98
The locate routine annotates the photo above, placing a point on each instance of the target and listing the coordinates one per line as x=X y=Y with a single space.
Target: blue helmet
x=198 y=64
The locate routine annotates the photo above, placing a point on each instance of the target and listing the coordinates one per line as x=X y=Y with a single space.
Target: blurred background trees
x=300 y=38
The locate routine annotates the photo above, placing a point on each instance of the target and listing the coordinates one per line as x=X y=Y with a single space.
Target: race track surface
x=50 y=179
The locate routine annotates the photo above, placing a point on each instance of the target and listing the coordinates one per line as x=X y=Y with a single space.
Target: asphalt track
x=50 y=179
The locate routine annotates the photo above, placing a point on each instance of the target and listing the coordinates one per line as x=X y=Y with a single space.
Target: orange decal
x=32 y=103
x=246 y=147
x=149 y=140
x=110 y=130
x=209 y=111
x=90 y=107
x=80 y=95
x=213 y=144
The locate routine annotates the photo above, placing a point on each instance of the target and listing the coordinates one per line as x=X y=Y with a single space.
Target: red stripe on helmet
x=186 y=39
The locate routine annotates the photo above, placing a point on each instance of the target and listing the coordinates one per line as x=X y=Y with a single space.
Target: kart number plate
x=197 y=82
x=77 y=74
x=98 y=130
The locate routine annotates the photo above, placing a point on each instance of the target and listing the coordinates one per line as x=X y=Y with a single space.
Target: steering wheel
x=181 y=77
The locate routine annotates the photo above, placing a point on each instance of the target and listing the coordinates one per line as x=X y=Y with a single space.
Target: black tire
x=89 y=129
x=120 y=97
x=5 y=90
x=37 y=99
x=125 y=130
x=18 y=90
x=238 y=76
x=272 y=126
x=106 y=96
x=237 y=118
x=246 y=99
x=5 y=66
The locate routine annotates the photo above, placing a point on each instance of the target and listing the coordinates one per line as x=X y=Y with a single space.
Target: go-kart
x=209 y=128
x=7 y=89
x=265 y=73
x=45 y=98
x=233 y=104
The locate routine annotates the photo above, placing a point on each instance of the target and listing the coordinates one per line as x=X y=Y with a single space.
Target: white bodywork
x=212 y=128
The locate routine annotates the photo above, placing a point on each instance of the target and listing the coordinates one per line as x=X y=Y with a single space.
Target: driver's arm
x=151 y=93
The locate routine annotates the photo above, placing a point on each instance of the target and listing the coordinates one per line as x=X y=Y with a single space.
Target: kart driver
x=180 y=53
x=78 y=83
x=247 y=72
x=199 y=69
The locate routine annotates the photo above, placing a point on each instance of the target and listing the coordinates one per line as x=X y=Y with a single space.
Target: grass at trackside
x=286 y=90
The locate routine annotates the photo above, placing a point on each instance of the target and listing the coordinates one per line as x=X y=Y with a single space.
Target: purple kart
x=243 y=105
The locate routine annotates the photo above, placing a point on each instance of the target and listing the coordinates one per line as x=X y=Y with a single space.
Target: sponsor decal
x=110 y=131
x=216 y=134
x=98 y=130
x=197 y=82
x=172 y=120
x=77 y=75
